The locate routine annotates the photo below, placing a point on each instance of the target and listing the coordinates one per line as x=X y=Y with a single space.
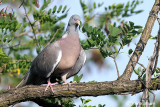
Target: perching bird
x=60 y=59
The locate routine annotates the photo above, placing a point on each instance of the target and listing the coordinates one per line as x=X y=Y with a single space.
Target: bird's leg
x=74 y=82
x=63 y=77
x=50 y=84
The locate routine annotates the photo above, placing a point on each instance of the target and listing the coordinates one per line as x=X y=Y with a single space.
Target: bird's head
x=74 y=21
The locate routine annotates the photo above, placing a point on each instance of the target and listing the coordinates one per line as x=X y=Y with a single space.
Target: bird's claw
x=50 y=84
x=74 y=82
x=67 y=83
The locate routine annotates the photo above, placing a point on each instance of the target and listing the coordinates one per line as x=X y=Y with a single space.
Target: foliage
x=84 y=102
x=117 y=36
x=89 y=9
x=120 y=11
x=66 y=102
x=140 y=72
x=119 y=99
x=77 y=78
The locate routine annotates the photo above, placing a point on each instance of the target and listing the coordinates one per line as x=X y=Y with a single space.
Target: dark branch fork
x=141 y=44
x=150 y=71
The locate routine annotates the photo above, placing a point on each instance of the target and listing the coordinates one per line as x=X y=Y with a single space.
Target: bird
x=61 y=59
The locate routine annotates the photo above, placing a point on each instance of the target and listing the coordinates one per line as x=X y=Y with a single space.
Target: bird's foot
x=74 y=82
x=67 y=83
x=50 y=84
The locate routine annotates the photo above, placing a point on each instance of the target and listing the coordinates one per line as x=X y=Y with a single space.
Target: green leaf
x=104 y=54
x=38 y=49
x=65 y=7
x=59 y=9
x=131 y=23
x=3 y=57
x=133 y=105
x=100 y=105
x=91 y=42
x=18 y=25
x=82 y=100
x=157 y=70
x=2 y=91
x=114 y=97
x=114 y=31
x=130 y=51
x=75 y=78
x=137 y=26
x=119 y=6
x=100 y=4
x=139 y=11
x=49 y=11
x=46 y=2
x=126 y=7
x=80 y=77
x=139 y=30
x=54 y=9
x=89 y=29
x=85 y=45
x=85 y=27
x=94 y=5
x=86 y=101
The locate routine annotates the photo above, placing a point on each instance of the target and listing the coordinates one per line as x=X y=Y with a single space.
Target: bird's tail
x=24 y=80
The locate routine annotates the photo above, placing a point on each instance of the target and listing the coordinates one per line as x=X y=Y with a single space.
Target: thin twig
x=37 y=3
x=12 y=46
x=141 y=65
x=90 y=19
x=23 y=61
x=21 y=3
x=149 y=71
x=114 y=59
x=94 y=48
x=157 y=55
x=53 y=36
x=25 y=33
x=154 y=97
x=31 y=25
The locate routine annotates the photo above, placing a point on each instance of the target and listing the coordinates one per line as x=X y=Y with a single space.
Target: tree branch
x=156 y=61
x=26 y=93
x=142 y=42
x=114 y=58
x=53 y=36
x=149 y=71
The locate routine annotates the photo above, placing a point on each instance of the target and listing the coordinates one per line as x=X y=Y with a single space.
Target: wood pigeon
x=60 y=59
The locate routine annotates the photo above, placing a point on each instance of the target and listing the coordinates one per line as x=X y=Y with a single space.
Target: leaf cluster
x=115 y=40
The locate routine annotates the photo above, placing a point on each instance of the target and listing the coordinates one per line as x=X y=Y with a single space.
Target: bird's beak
x=78 y=22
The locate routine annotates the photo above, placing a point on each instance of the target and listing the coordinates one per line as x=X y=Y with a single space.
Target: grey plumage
x=71 y=71
x=61 y=59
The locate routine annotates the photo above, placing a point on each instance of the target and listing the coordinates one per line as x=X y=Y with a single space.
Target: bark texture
x=26 y=93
